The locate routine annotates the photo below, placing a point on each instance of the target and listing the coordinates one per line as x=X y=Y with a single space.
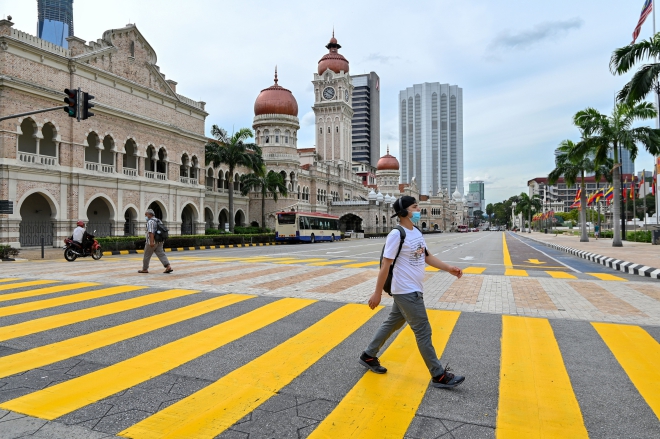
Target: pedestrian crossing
x=254 y=352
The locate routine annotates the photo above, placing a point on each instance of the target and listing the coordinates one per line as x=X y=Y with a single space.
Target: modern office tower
x=431 y=136
x=365 y=137
x=627 y=165
x=55 y=21
x=477 y=188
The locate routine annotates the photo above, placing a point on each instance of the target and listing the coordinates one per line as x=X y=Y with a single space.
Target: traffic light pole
x=33 y=112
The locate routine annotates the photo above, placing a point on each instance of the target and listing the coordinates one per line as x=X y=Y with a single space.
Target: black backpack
x=388 y=282
x=162 y=232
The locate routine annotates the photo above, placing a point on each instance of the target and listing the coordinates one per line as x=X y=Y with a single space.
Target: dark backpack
x=388 y=282
x=162 y=232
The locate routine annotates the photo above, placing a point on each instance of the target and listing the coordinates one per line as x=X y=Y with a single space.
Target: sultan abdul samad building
x=144 y=148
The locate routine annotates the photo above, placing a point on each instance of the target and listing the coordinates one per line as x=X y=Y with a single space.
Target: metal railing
x=99 y=229
x=130 y=172
x=31 y=232
x=156 y=175
x=188 y=228
x=39 y=159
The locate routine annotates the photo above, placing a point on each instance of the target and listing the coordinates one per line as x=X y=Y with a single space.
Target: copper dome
x=276 y=100
x=388 y=162
x=333 y=60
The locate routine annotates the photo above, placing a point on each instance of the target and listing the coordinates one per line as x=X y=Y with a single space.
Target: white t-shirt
x=78 y=234
x=408 y=274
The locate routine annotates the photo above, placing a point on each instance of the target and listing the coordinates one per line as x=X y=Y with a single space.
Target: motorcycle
x=73 y=250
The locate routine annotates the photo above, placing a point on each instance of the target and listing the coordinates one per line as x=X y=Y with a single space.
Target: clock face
x=328 y=93
x=346 y=95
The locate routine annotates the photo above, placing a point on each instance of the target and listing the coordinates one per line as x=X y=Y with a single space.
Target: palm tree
x=605 y=134
x=526 y=205
x=269 y=182
x=647 y=77
x=233 y=151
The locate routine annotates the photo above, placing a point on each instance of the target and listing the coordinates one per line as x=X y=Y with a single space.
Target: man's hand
x=374 y=300
x=456 y=272
x=152 y=244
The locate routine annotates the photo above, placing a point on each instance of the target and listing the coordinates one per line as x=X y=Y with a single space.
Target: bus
x=306 y=227
x=463 y=229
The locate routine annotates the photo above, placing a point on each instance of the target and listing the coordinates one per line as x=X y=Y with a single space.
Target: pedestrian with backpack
x=156 y=235
x=402 y=273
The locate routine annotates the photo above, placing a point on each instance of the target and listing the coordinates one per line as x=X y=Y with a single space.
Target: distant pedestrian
x=596 y=231
x=406 y=288
x=151 y=246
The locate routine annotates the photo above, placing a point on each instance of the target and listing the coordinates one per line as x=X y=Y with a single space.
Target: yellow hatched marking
x=362 y=264
x=429 y=268
x=536 y=397
x=336 y=261
x=605 y=276
x=212 y=410
x=49 y=290
x=65 y=300
x=295 y=261
x=561 y=275
x=382 y=406
x=505 y=253
x=58 y=400
x=474 y=270
x=69 y=318
x=514 y=272
x=31 y=283
x=639 y=355
x=9 y=279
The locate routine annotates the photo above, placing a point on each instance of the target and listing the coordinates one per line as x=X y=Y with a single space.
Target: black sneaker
x=447 y=380
x=371 y=363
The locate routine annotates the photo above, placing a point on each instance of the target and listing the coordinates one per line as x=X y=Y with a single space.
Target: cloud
x=529 y=37
x=383 y=59
x=308 y=119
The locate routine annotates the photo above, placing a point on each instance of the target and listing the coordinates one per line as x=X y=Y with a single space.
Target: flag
x=625 y=189
x=655 y=182
x=609 y=195
x=577 y=196
x=641 y=180
x=646 y=10
x=591 y=199
x=600 y=193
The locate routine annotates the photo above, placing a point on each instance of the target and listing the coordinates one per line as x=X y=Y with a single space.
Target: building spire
x=388 y=149
x=275 y=74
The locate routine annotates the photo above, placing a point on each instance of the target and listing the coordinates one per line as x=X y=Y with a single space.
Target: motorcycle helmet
x=80 y=223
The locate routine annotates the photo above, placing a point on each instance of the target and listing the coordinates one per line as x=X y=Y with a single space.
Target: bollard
x=42 y=247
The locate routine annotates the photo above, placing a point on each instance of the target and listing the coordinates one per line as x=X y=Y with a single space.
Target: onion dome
x=276 y=100
x=333 y=60
x=457 y=195
x=372 y=195
x=388 y=162
x=379 y=197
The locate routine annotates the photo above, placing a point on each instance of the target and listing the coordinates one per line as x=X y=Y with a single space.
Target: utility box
x=655 y=237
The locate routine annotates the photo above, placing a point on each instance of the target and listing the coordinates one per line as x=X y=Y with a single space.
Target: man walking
x=407 y=285
x=151 y=246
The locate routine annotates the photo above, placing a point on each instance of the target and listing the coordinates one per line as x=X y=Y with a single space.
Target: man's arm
x=374 y=300
x=152 y=241
x=437 y=263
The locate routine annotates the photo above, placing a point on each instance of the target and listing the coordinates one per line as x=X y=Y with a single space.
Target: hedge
x=137 y=243
x=238 y=230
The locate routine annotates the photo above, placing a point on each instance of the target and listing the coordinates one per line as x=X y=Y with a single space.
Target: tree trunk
x=263 y=208
x=231 y=201
x=584 y=236
x=616 y=216
x=529 y=216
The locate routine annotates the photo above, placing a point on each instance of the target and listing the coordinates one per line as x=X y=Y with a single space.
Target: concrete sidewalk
x=635 y=252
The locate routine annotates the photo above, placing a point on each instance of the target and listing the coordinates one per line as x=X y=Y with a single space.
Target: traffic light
x=86 y=106
x=72 y=101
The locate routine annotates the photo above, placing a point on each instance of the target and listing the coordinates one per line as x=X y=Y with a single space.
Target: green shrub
x=639 y=236
x=137 y=243
x=239 y=230
x=7 y=251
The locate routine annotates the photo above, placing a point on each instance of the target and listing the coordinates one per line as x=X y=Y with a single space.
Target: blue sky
x=525 y=67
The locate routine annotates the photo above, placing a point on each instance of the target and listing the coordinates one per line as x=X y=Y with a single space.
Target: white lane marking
x=467 y=258
x=330 y=253
x=544 y=253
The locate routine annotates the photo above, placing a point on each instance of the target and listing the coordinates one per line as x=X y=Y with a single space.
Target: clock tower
x=333 y=107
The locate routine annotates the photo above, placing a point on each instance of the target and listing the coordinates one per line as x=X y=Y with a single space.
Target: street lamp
x=513 y=212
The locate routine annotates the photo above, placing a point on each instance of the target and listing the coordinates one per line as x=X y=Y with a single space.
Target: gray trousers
x=408 y=308
x=149 y=251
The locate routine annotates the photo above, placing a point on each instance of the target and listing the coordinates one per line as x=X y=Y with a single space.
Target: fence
x=99 y=229
x=31 y=232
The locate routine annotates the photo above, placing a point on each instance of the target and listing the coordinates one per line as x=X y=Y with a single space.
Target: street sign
x=6 y=207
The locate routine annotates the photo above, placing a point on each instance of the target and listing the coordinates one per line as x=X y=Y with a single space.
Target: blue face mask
x=146 y=218
x=416 y=217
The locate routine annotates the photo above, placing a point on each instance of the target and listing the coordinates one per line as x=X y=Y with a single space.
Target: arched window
x=47 y=144
x=320 y=130
x=328 y=130
x=266 y=136
x=337 y=128
x=108 y=154
x=194 y=166
x=132 y=49
x=130 y=155
x=226 y=183
x=277 y=136
x=287 y=133
x=185 y=164
x=92 y=153
x=27 y=140
x=237 y=185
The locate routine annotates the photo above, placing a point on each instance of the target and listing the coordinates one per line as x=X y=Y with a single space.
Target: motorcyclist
x=79 y=235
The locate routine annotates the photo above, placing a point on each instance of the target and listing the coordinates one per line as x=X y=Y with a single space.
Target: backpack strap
x=402 y=232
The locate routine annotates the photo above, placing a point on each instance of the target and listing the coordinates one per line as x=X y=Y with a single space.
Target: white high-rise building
x=431 y=136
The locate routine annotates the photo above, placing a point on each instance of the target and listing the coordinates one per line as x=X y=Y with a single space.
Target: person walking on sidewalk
x=407 y=286
x=151 y=246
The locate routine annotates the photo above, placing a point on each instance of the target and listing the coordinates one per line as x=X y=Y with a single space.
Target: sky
x=525 y=67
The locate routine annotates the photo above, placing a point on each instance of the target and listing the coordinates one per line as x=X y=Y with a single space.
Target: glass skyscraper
x=365 y=138
x=55 y=21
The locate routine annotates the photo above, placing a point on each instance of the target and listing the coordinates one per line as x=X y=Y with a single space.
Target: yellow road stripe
x=49 y=290
x=210 y=411
x=336 y=261
x=429 y=268
x=62 y=350
x=295 y=261
x=361 y=264
x=514 y=272
x=9 y=279
x=561 y=275
x=474 y=270
x=639 y=355
x=65 y=300
x=536 y=397
x=55 y=401
x=26 y=284
x=605 y=276
x=382 y=406
x=505 y=253
x=69 y=318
